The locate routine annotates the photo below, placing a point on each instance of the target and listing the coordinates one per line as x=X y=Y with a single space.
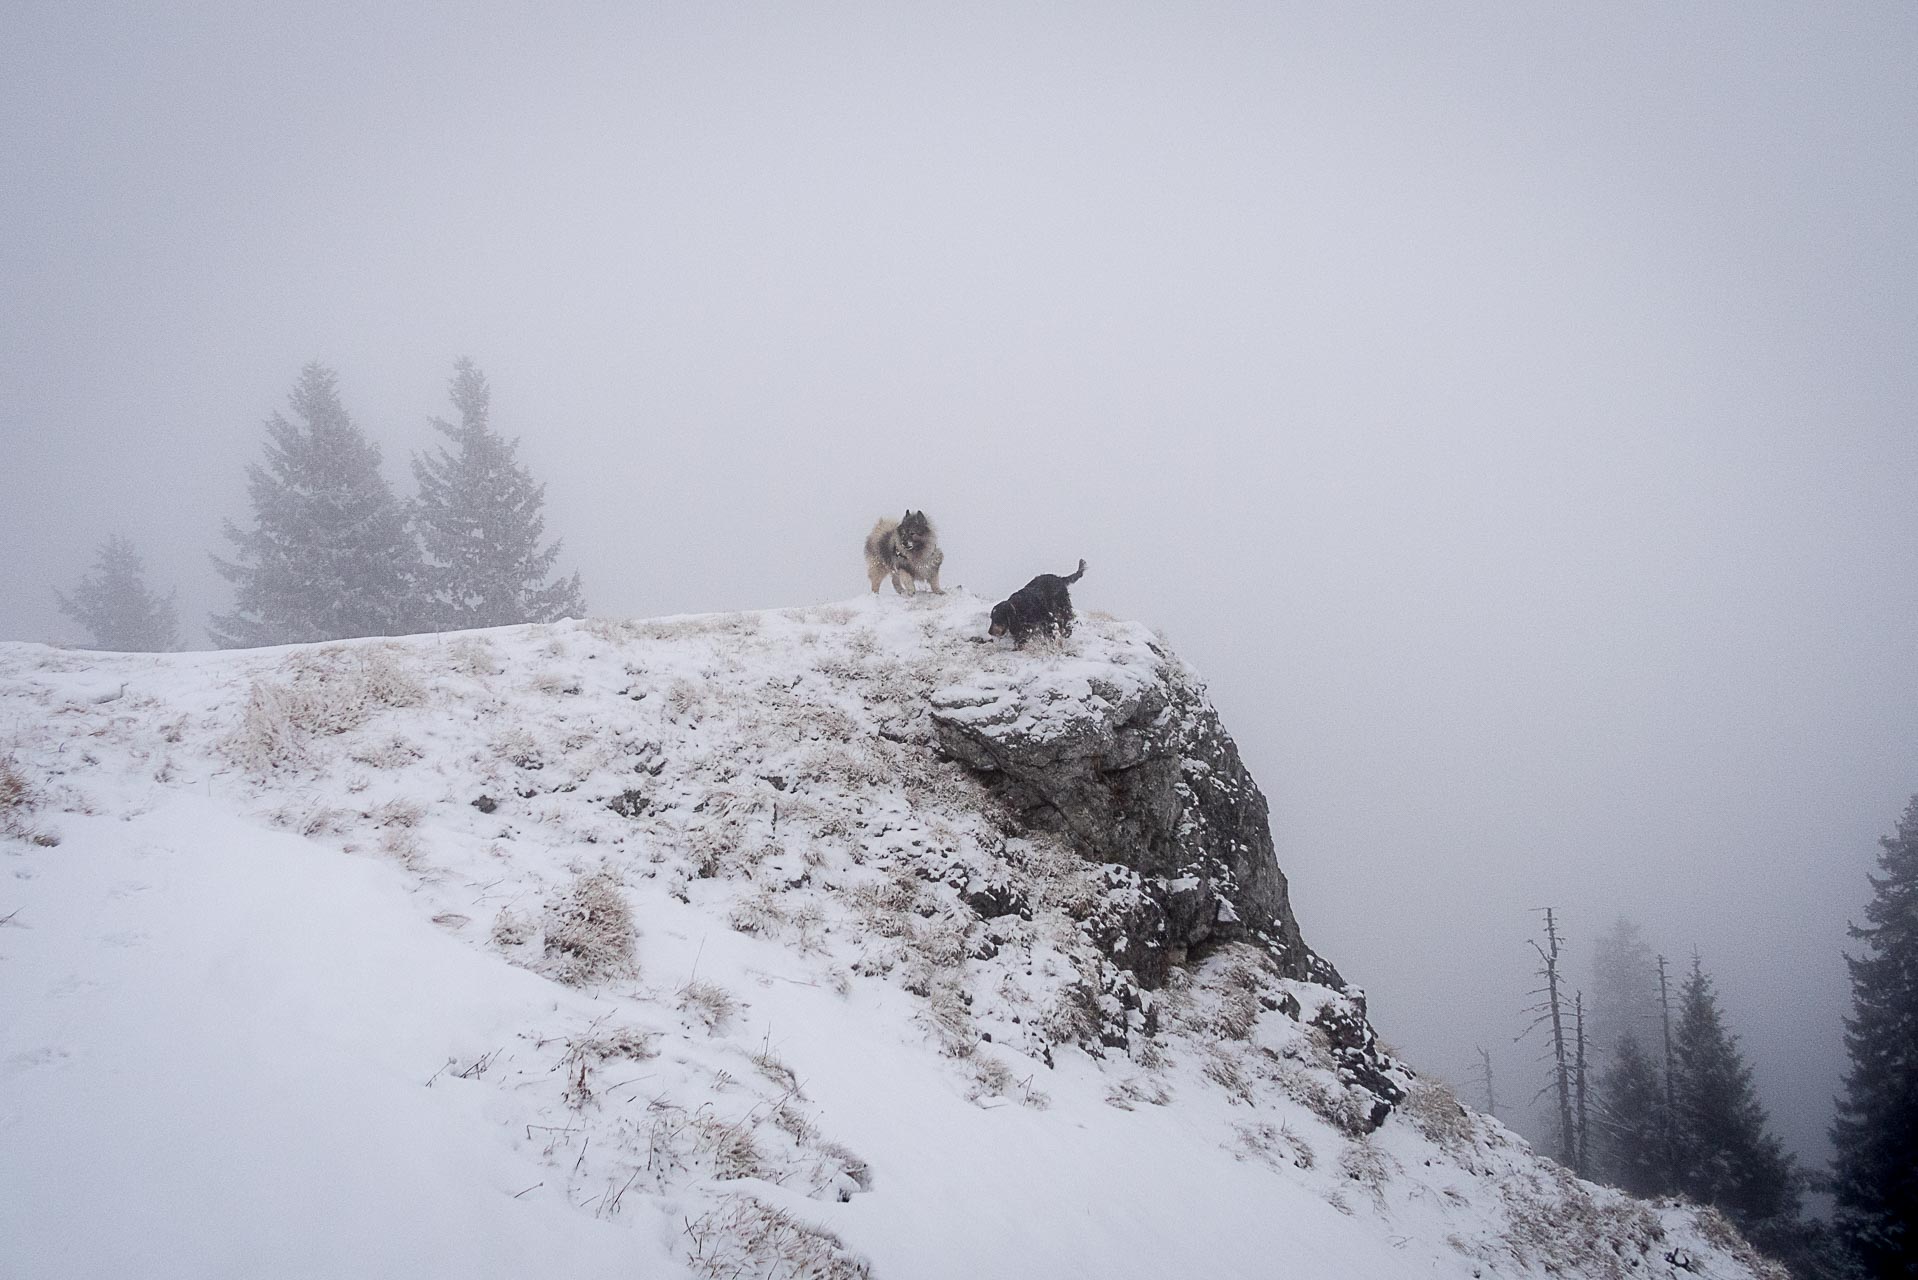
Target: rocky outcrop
x=1135 y=769
x=1131 y=765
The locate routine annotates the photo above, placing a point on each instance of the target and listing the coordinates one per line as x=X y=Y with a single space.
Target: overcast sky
x=1508 y=409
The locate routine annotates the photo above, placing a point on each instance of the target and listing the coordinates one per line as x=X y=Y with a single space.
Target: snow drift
x=817 y=943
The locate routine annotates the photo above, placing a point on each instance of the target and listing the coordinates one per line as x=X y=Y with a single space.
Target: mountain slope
x=819 y=942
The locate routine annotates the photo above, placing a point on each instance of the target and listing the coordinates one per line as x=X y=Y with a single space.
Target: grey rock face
x=1142 y=775
x=1127 y=760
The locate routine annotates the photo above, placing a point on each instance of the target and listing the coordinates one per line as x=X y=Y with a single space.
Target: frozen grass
x=745 y=1239
x=589 y=931
x=327 y=692
x=708 y=1003
x=18 y=800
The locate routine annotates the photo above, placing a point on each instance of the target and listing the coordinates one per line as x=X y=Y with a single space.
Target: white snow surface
x=698 y=996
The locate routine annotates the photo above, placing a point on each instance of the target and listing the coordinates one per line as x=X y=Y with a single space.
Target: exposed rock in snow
x=1132 y=763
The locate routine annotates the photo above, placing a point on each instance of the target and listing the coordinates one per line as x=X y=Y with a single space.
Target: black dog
x=1043 y=604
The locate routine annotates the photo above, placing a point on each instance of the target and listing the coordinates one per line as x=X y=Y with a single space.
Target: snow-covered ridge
x=685 y=947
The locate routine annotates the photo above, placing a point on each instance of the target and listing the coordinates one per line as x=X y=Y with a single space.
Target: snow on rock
x=825 y=942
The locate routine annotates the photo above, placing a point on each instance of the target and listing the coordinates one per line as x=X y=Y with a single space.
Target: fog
x=1509 y=411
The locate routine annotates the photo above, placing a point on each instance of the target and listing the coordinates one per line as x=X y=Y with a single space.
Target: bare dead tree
x=1551 y=1009
x=1580 y=1161
x=1482 y=1077
x=1671 y=1076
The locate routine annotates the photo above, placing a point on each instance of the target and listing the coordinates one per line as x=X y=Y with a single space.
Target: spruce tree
x=330 y=554
x=1632 y=1121
x=1726 y=1156
x=480 y=522
x=1875 y=1173
x=114 y=604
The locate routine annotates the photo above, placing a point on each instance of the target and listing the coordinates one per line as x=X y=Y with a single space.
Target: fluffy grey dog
x=907 y=549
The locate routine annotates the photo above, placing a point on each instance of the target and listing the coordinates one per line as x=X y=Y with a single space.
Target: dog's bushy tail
x=1075 y=577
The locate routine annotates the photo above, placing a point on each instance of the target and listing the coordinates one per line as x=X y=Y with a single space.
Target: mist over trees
x=332 y=552
x=117 y=608
x=1674 y=1110
x=1624 y=989
x=479 y=522
x=1875 y=1173
x=329 y=553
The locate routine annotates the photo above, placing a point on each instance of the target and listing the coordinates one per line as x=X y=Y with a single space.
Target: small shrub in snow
x=473 y=656
x=1435 y=1111
x=685 y=698
x=585 y=1054
x=948 y=1016
x=1127 y=1094
x=770 y=1066
x=519 y=749
x=760 y=914
x=709 y=1002
x=513 y=928
x=589 y=931
x=1271 y=1145
x=622 y=1042
x=392 y=752
x=727 y=1147
x=808 y=922
x=397 y=812
x=313 y=821
x=1237 y=1014
x=794 y=1123
x=1222 y=1068
x=16 y=796
x=331 y=691
x=849 y=1164
x=1072 y=1016
x=383 y=680
x=991 y=1078
x=553 y=684
x=269 y=734
x=401 y=845
x=17 y=802
x=744 y=1239
x=1364 y=1164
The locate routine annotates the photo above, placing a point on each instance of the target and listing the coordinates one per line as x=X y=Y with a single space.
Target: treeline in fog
x=1647 y=1088
x=331 y=551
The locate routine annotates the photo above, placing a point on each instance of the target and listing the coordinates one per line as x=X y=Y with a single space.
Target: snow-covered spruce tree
x=1632 y=1120
x=1875 y=1173
x=1726 y=1155
x=478 y=513
x=330 y=554
x=115 y=606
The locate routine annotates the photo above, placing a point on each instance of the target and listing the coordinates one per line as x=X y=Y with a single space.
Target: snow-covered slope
x=685 y=947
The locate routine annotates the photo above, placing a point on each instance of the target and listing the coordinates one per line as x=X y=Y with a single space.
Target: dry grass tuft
x=1436 y=1112
x=709 y=1002
x=589 y=931
x=744 y=1239
x=18 y=799
x=330 y=691
x=513 y=928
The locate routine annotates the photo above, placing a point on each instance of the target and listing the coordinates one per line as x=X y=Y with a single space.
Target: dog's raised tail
x=1075 y=577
